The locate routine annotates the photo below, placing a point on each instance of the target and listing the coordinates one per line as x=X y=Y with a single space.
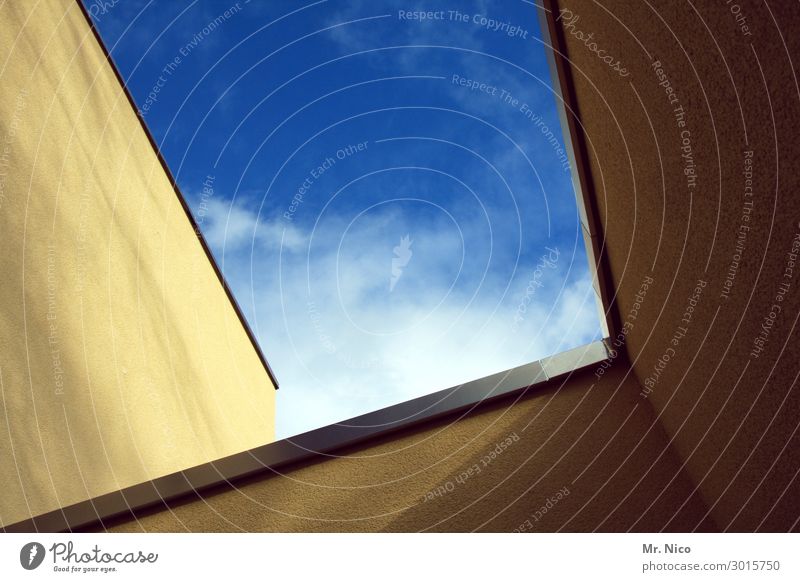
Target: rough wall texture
x=670 y=151
x=669 y=139
x=121 y=358
x=698 y=431
x=594 y=438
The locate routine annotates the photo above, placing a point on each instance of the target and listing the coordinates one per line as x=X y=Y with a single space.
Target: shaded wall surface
x=693 y=162
x=586 y=451
x=693 y=425
x=121 y=356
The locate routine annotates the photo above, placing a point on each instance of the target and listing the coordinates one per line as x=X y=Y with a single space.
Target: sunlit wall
x=121 y=357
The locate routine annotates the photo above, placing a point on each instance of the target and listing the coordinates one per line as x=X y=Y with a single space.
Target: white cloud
x=233 y=227
x=342 y=344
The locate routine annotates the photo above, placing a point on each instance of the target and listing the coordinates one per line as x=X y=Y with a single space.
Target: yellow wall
x=148 y=339
x=589 y=436
x=724 y=423
x=121 y=357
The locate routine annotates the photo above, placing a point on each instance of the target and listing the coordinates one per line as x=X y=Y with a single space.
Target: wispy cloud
x=406 y=267
x=233 y=227
x=343 y=344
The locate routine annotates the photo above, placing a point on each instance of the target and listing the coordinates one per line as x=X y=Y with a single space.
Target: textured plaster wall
x=695 y=432
x=121 y=358
x=594 y=438
x=670 y=184
x=732 y=416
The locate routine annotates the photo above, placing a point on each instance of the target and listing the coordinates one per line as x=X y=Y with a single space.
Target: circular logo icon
x=31 y=555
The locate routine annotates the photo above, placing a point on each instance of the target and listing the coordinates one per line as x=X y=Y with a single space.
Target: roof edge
x=319 y=444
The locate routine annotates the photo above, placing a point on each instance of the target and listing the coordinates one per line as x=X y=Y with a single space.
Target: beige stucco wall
x=589 y=439
x=726 y=422
x=733 y=417
x=712 y=445
x=121 y=357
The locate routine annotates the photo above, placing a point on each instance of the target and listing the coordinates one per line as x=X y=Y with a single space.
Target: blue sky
x=380 y=190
